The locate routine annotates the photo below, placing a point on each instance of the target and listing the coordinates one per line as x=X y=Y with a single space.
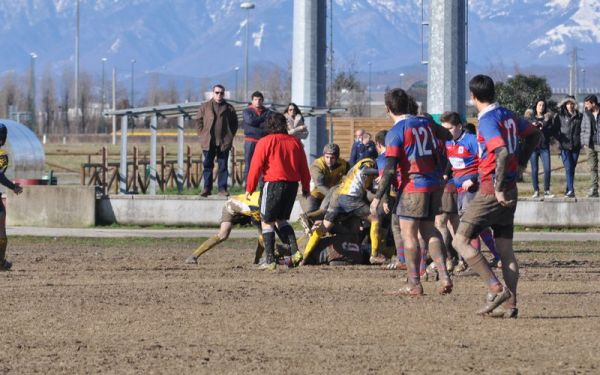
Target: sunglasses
x=219 y=92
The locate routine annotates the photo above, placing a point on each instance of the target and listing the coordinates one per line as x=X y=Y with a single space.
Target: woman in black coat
x=567 y=127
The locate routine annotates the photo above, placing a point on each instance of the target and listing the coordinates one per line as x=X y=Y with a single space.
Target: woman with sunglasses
x=295 y=122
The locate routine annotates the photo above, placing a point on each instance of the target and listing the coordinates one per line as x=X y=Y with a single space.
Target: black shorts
x=277 y=200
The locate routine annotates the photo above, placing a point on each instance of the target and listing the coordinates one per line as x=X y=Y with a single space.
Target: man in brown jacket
x=217 y=124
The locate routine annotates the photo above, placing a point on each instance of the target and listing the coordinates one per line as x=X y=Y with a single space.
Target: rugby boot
x=445 y=286
x=377 y=259
x=502 y=312
x=305 y=222
x=494 y=300
x=296 y=259
x=408 y=290
x=270 y=267
x=6 y=265
x=191 y=260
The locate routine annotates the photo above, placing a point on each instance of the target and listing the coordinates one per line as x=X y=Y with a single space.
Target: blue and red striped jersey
x=463 y=155
x=413 y=143
x=499 y=127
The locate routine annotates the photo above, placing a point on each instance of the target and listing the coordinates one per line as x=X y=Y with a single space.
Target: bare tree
x=65 y=98
x=172 y=93
x=153 y=95
x=85 y=101
x=9 y=93
x=48 y=102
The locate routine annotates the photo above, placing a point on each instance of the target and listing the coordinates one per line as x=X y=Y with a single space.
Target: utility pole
x=446 y=87
x=573 y=73
x=309 y=73
x=32 y=109
x=246 y=6
x=76 y=70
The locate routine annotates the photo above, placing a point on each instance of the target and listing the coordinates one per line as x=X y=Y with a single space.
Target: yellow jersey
x=357 y=181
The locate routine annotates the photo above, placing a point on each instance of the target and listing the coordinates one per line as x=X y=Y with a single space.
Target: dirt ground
x=132 y=306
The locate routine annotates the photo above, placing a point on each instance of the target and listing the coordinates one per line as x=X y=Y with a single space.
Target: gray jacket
x=589 y=126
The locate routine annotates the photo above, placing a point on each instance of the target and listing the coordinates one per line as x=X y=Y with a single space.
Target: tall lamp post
x=132 y=96
x=370 y=99
x=247 y=6
x=583 y=80
x=237 y=69
x=401 y=79
x=102 y=93
x=32 y=105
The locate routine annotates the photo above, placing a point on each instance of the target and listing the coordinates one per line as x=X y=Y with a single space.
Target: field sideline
x=123 y=305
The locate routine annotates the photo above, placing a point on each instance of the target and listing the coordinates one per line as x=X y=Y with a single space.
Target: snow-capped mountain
x=206 y=37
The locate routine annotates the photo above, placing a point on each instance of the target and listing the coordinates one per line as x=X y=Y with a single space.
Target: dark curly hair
x=276 y=124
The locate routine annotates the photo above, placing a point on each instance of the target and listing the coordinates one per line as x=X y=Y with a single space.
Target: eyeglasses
x=219 y=92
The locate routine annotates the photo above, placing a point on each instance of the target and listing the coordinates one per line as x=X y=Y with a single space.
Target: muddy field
x=132 y=306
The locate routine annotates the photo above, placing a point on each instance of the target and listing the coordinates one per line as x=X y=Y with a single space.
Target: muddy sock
x=423 y=259
x=413 y=260
x=479 y=265
x=375 y=238
x=510 y=272
x=476 y=244
x=488 y=239
x=269 y=237
x=3 y=245
x=400 y=254
x=207 y=245
x=398 y=239
x=287 y=232
x=438 y=256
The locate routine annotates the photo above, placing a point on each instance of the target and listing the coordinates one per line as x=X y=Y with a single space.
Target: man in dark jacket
x=590 y=139
x=254 y=118
x=217 y=124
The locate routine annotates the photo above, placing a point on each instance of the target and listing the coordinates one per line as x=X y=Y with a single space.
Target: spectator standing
x=567 y=125
x=254 y=118
x=542 y=119
x=295 y=122
x=356 y=147
x=590 y=139
x=217 y=124
x=368 y=150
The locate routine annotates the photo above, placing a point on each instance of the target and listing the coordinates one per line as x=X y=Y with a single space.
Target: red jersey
x=278 y=157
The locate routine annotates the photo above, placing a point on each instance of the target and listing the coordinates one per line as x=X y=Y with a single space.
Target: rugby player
x=414 y=153
x=495 y=202
x=280 y=159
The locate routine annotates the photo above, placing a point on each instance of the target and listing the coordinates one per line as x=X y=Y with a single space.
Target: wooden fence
x=105 y=174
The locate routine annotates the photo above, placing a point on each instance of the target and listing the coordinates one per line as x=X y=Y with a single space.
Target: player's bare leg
x=409 y=229
x=437 y=251
x=510 y=272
